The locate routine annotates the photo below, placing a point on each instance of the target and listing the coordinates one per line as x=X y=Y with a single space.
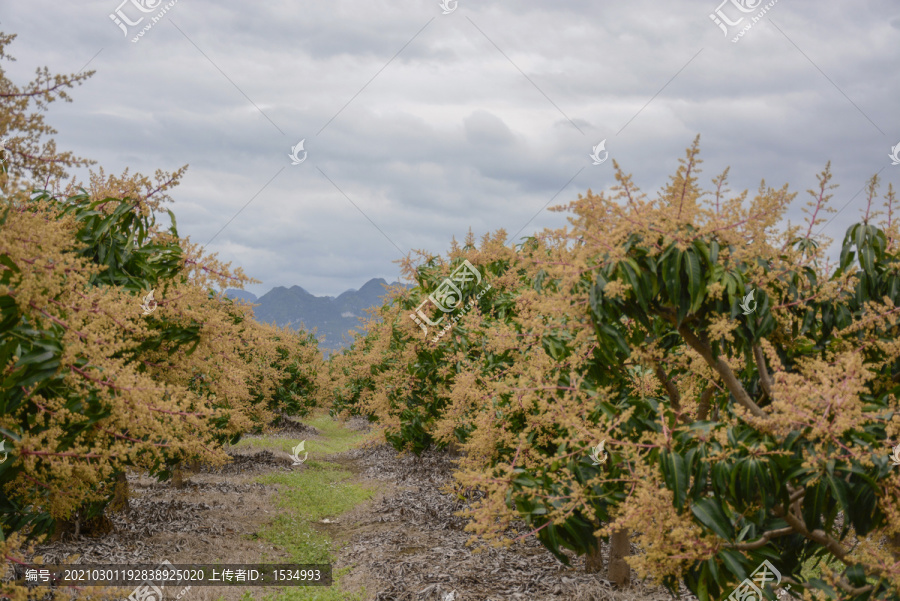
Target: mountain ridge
x=332 y=317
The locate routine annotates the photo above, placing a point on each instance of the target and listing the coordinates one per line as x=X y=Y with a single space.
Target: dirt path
x=406 y=544
x=403 y=544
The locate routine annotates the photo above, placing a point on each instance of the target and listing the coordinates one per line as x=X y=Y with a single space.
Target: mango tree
x=746 y=397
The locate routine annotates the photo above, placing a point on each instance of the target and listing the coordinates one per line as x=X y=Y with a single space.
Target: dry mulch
x=407 y=544
x=251 y=463
x=358 y=423
x=215 y=517
x=290 y=426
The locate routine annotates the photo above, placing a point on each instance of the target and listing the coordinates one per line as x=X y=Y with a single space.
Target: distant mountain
x=241 y=294
x=333 y=317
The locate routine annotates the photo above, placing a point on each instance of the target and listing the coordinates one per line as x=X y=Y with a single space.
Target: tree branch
x=845 y=585
x=723 y=369
x=705 y=399
x=796 y=495
x=766 y=537
x=670 y=387
x=765 y=380
x=819 y=536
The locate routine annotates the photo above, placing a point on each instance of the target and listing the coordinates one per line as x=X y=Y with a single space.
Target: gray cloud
x=476 y=124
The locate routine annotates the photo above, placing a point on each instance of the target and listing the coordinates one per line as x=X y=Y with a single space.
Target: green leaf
x=714 y=570
x=632 y=278
x=702 y=586
x=679 y=479
x=864 y=504
x=5 y=260
x=36 y=357
x=692 y=268
x=671 y=275
x=703 y=249
x=860 y=236
x=174 y=227
x=839 y=488
x=106 y=224
x=730 y=287
x=732 y=560
x=38 y=376
x=689 y=460
x=748 y=475
x=867 y=259
x=710 y=514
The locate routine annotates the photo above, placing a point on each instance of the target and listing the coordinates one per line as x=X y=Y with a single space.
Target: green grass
x=317 y=492
x=334 y=438
x=306 y=496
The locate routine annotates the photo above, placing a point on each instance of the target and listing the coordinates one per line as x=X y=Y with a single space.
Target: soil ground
x=403 y=544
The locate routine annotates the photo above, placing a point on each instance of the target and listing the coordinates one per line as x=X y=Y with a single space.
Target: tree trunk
x=593 y=563
x=77 y=526
x=178 y=476
x=619 y=548
x=120 y=494
x=454 y=448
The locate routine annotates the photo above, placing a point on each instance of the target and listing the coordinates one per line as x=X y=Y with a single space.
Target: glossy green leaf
x=710 y=514
x=692 y=271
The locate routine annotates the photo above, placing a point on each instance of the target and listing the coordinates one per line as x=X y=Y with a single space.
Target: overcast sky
x=419 y=125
